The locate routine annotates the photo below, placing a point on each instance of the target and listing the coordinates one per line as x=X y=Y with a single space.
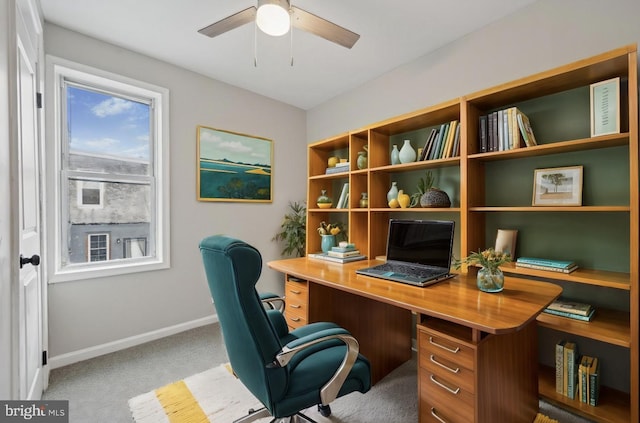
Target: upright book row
x=504 y=130
x=577 y=377
x=443 y=142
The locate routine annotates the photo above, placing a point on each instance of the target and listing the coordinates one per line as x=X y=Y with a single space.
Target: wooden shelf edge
x=616 y=280
x=603 y=141
x=609 y=326
x=572 y=209
x=613 y=405
x=416 y=209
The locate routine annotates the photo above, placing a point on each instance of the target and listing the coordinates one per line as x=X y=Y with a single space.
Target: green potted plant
x=428 y=195
x=424 y=185
x=293 y=230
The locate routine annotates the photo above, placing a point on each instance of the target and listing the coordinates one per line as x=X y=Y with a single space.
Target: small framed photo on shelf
x=506 y=241
x=605 y=107
x=558 y=186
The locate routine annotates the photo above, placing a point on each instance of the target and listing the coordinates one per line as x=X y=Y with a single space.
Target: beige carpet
x=217 y=396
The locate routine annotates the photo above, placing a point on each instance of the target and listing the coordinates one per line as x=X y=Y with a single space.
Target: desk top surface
x=457 y=300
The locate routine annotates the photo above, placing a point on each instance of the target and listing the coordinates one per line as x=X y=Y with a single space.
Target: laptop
x=419 y=252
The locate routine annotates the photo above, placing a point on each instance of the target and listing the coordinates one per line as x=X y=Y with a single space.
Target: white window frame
x=89 y=249
x=80 y=196
x=57 y=69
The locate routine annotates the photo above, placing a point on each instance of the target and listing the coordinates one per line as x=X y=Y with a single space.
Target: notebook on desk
x=419 y=252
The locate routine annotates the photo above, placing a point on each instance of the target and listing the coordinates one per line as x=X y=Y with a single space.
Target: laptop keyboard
x=407 y=269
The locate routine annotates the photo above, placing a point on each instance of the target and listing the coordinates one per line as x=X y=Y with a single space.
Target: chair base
x=296 y=418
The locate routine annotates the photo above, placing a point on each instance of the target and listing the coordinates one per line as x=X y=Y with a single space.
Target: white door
x=30 y=291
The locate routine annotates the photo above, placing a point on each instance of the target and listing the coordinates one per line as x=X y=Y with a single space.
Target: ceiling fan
x=276 y=17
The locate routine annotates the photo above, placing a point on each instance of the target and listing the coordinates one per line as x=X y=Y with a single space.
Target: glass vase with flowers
x=490 y=277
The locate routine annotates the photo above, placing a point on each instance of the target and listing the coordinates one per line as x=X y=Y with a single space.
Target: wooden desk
x=488 y=342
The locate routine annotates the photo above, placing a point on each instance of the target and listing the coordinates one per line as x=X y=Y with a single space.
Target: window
x=98 y=247
x=111 y=164
x=90 y=194
x=135 y=247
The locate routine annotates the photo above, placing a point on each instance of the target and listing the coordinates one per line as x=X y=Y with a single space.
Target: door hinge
x=39 y=100
x=44 y=358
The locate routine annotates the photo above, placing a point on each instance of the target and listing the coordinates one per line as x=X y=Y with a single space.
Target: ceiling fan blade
x=230 y=22
x=309 y=22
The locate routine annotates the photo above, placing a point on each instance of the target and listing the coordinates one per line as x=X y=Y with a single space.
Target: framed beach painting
x=233 y=166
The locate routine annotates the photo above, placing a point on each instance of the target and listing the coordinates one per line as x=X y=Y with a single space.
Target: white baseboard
x=98 y=350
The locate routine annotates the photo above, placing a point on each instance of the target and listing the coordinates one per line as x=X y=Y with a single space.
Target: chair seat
x=309 y=374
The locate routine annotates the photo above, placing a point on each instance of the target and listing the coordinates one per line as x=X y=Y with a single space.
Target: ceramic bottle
x=395 y=155
x=407 y=153
x=393 y=192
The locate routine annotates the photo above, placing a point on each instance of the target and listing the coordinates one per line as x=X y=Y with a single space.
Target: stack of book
x=504 y=130
x=344 y=253
x=577 y=377
x=561 y=266
x=338 y=168
x=571 y=309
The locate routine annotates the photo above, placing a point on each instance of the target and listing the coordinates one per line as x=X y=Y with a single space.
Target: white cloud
x=102 y=144
x=236 y=147
x=112 y=106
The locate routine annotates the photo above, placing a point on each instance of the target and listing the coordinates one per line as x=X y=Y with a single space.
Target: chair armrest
x=272 y=301
x=330 y=390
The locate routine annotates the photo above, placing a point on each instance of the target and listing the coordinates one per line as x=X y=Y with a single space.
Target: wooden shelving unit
x=607 y=260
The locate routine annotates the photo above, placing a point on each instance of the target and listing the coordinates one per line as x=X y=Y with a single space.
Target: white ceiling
x=391 y=33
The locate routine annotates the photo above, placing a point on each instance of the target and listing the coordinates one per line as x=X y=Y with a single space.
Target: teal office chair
x=287 y=371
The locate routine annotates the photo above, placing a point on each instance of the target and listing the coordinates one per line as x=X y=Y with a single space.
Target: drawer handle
x=295 y=319
x=435 y=415
x=443 y=386
x=432 y=342
x=294 y=306
x=295 y=292
x=434 y=361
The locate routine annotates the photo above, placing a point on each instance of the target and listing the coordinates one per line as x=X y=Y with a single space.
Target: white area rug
x=222 y=399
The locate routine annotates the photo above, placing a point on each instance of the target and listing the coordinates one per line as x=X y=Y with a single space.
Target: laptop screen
x=426 y=242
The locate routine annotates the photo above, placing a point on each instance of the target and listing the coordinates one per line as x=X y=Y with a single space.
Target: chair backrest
x=232 y=268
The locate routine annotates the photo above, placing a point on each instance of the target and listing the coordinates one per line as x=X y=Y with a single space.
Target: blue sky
x=104 y=124
x=217 y=145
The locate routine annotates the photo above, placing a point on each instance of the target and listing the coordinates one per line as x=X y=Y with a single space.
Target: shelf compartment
x=613 y=405
x=616 y=280
x=604 y=141
x=610 y=326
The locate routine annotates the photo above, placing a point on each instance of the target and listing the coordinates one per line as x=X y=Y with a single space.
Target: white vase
x=393 y=192
x=395 y=155
x=407 y=153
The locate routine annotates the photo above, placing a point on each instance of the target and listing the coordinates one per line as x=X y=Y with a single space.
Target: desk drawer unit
x=447 y=377
x=296 y=295
x=467 y=375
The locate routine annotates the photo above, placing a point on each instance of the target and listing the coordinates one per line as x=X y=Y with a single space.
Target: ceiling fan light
x=273 y=17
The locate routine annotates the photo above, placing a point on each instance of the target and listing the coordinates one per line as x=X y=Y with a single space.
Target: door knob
x=34 y=260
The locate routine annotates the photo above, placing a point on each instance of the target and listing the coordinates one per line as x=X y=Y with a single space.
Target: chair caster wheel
x=325 y=410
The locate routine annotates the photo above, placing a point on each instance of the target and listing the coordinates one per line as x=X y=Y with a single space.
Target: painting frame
x=554 y=178
x=604 y=107
x=233 y=167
